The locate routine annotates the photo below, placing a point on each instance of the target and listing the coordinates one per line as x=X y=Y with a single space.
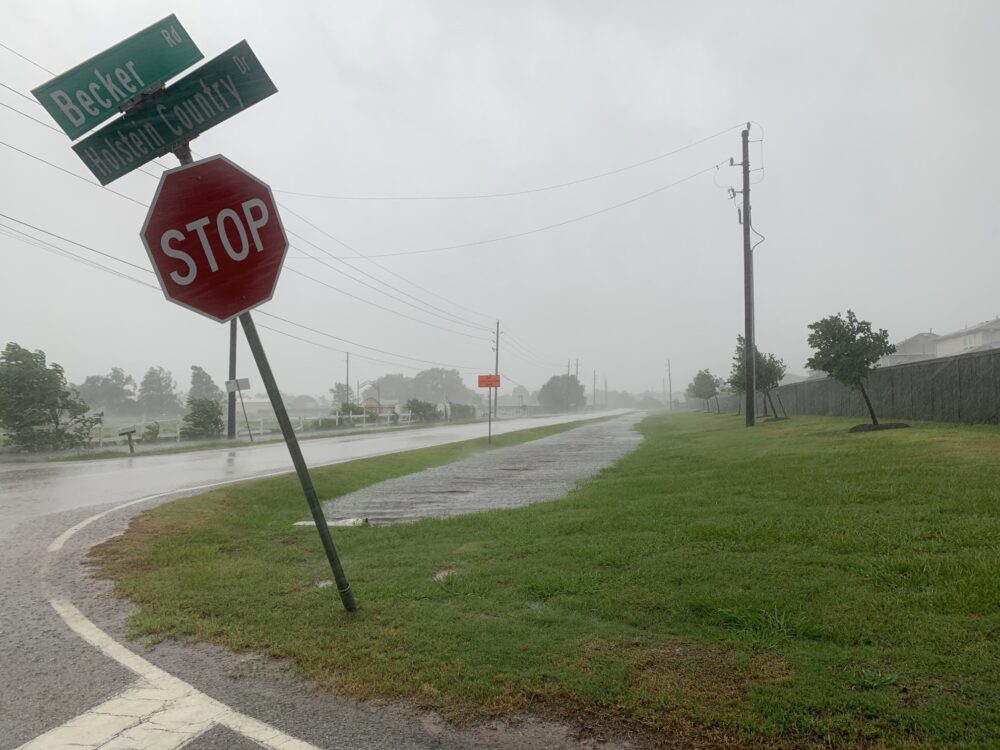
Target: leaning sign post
x=212 y=233
x=217 y=245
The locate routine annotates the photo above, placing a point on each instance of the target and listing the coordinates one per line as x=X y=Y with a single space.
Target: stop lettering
x=214 y=238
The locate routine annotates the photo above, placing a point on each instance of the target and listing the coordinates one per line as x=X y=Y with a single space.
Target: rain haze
x=873 y=189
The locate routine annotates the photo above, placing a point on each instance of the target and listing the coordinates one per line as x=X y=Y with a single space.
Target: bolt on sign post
x=215 y=240
x=489 y=381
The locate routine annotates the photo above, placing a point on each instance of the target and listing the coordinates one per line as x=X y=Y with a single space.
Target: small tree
x=342 y=393
x=425 y=411
x=704 y=386
x=462 y=411
x=158 y=394
x=114 y=392
x=202 y=386
x=38 y=411
x=768 y=371
x=203 y=420
x=847 y=350
x=562 y=393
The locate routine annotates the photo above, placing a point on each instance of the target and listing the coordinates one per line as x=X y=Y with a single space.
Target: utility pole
x=567 y=368
x=577 y=368
x=183 y=154
x=347 y=379
x=605 y=391
x=231 y=415
x=496 y=371
x=595 y=390
x=670 y=384
x=749 y=344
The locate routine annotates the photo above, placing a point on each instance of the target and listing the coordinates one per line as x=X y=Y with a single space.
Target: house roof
x=989 y=325
x=917 y=336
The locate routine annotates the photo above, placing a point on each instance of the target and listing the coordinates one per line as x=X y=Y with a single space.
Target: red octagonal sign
x=214 y=238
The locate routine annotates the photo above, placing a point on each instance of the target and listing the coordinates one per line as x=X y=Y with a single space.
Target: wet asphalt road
x=30 y=490
x=48 y=675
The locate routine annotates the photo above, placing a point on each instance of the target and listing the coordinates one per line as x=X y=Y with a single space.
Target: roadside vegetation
x=788 y=586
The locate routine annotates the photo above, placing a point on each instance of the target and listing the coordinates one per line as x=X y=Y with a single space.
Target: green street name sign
x=92 y=92
x=216 y=91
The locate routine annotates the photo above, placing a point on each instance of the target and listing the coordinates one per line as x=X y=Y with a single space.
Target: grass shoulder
x=787 y=586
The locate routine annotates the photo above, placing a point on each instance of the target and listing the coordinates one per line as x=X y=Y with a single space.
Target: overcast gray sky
x=876 y=193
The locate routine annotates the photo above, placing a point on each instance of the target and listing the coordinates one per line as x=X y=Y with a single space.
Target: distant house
x=916 y=348
x=975 y=338
x=389 y=406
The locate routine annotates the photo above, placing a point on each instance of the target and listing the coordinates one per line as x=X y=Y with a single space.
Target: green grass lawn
x=787 y=586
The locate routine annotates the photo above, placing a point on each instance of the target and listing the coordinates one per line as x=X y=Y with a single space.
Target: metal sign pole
x=346 y=595
x=245 y=417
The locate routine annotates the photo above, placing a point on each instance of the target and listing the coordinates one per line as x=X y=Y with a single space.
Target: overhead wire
x=366 y=284
x=526 y=352
x=362 y=256
x=306 y=276
x=37 y=242
x=547 y=227
x=527 y=191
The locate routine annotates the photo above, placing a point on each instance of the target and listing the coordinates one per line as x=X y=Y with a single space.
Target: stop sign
x=214 y=238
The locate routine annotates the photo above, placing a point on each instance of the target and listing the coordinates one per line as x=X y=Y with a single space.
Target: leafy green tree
x=158 y=394
x=38 y=410
x=342 y=394
x=704 y=385
x=203 y=419
x=462 y=411
x=424 y=411
x=847 y=350
x=562 y=393
x=437 y=385
x=769 y=371
x=202 y=386
x=114 y=392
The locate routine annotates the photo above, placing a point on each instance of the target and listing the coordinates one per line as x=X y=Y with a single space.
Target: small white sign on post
x=240 y=384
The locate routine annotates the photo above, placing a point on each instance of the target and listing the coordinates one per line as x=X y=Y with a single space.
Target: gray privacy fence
x=963 y=388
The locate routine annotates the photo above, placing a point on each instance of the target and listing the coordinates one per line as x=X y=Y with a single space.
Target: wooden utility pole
x=496 y=371
x=183 y=154
x=749 y=348
x=231 y=416
x=670 y=385
x=347 y=380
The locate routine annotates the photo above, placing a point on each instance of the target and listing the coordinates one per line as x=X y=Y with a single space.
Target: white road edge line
x=159 y=711
x=59 y=541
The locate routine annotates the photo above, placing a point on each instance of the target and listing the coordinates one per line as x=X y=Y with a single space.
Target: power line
x=20 y=94
x=547 y=227
x=313 y=279
x=62 y=252
x=528 y=191
x=361 y=256
x=370 y=286
x=365 y=346
x=376 y=304
x=26 y=59
x=33 y=119
x=78 y=244
x=74 y=174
